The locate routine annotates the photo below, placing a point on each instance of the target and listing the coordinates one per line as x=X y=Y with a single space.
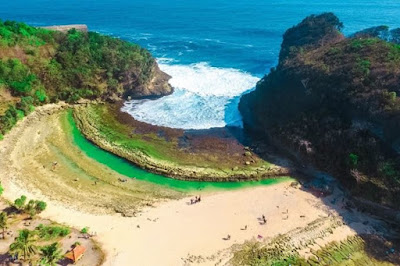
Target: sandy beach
x=174 y=232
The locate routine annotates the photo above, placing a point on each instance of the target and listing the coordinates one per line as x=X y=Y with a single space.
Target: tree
x=30 y=208
x=3 y=222
x=1 y=187
x=51 y=254
x=24 y=245
x=20 y=202
x=34 y=207
x=40 y=205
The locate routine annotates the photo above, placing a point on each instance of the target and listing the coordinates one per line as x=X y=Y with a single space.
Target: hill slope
x=332 y=101
x=40 y=65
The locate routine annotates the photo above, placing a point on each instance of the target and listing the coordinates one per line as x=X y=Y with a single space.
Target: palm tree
x=24 y=245
x=51 y=254
x=3 y=222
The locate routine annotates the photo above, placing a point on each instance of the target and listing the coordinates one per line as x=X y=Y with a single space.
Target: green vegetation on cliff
x=333 y=101
x=38 y=66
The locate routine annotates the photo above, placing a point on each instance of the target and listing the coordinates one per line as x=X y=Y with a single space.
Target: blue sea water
x=215 y=50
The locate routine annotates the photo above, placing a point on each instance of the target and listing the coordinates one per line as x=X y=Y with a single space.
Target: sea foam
x=204 y=97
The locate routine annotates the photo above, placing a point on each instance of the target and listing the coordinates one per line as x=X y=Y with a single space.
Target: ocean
x=215 y=50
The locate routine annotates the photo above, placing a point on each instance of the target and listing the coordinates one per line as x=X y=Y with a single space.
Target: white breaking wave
x=204 y=97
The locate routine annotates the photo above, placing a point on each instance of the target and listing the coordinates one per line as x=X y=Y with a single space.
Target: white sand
x=172 y=230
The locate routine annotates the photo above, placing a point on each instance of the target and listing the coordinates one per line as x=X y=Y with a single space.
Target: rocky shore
x=243 y=171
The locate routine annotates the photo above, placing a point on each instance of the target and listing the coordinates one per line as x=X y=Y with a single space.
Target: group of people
x=264 y=219
x=195 y=200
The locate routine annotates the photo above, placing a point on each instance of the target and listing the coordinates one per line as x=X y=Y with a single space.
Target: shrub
x=20 y=202
x=353 y=160
x=52 y=232
x=363 y=67
x=41 y=95
x=41 y=206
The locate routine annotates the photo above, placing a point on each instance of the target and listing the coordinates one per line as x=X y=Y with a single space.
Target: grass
x=349 y=252
x=121 y=135
x=52 y=232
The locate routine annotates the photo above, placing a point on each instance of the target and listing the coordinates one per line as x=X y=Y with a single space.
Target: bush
x=26 y=105
x=353 y=160
x=20 y=202
x=52 y=232
x=41 y=95
x=41 y=206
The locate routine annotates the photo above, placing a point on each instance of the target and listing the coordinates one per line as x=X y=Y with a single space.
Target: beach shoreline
x=173 y=231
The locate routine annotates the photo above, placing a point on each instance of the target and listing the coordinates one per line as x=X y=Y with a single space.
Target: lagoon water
x=215 y=50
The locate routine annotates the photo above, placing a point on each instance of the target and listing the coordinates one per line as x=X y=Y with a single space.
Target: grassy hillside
x=38 y=66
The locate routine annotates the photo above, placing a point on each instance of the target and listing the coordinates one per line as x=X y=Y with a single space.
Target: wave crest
x=204 y=97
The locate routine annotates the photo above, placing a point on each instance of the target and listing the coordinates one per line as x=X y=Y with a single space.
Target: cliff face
x=156 y=86
x=333 y=102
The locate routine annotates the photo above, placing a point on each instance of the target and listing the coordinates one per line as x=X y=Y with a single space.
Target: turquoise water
x=126 y=168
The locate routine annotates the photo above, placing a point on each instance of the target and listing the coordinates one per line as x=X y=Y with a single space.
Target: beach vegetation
x=32 y=208
x=352 y=251
x=50 y=254
x=20 y=202
x=52 y=232
x=25 y=245
x=85 y=230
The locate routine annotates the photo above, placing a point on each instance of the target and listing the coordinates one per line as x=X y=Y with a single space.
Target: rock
x=294 y=184
x=246 y=148
x=247 y=154
x=76 y=179
x=113 y=98
x=247 y=163
x=156 y=86
x=235 y=168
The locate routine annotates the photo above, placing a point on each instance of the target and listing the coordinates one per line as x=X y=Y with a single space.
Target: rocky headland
x=332 y=102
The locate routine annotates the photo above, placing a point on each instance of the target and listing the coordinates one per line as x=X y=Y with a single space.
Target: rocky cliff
x=332 y=102
x=156 y=86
